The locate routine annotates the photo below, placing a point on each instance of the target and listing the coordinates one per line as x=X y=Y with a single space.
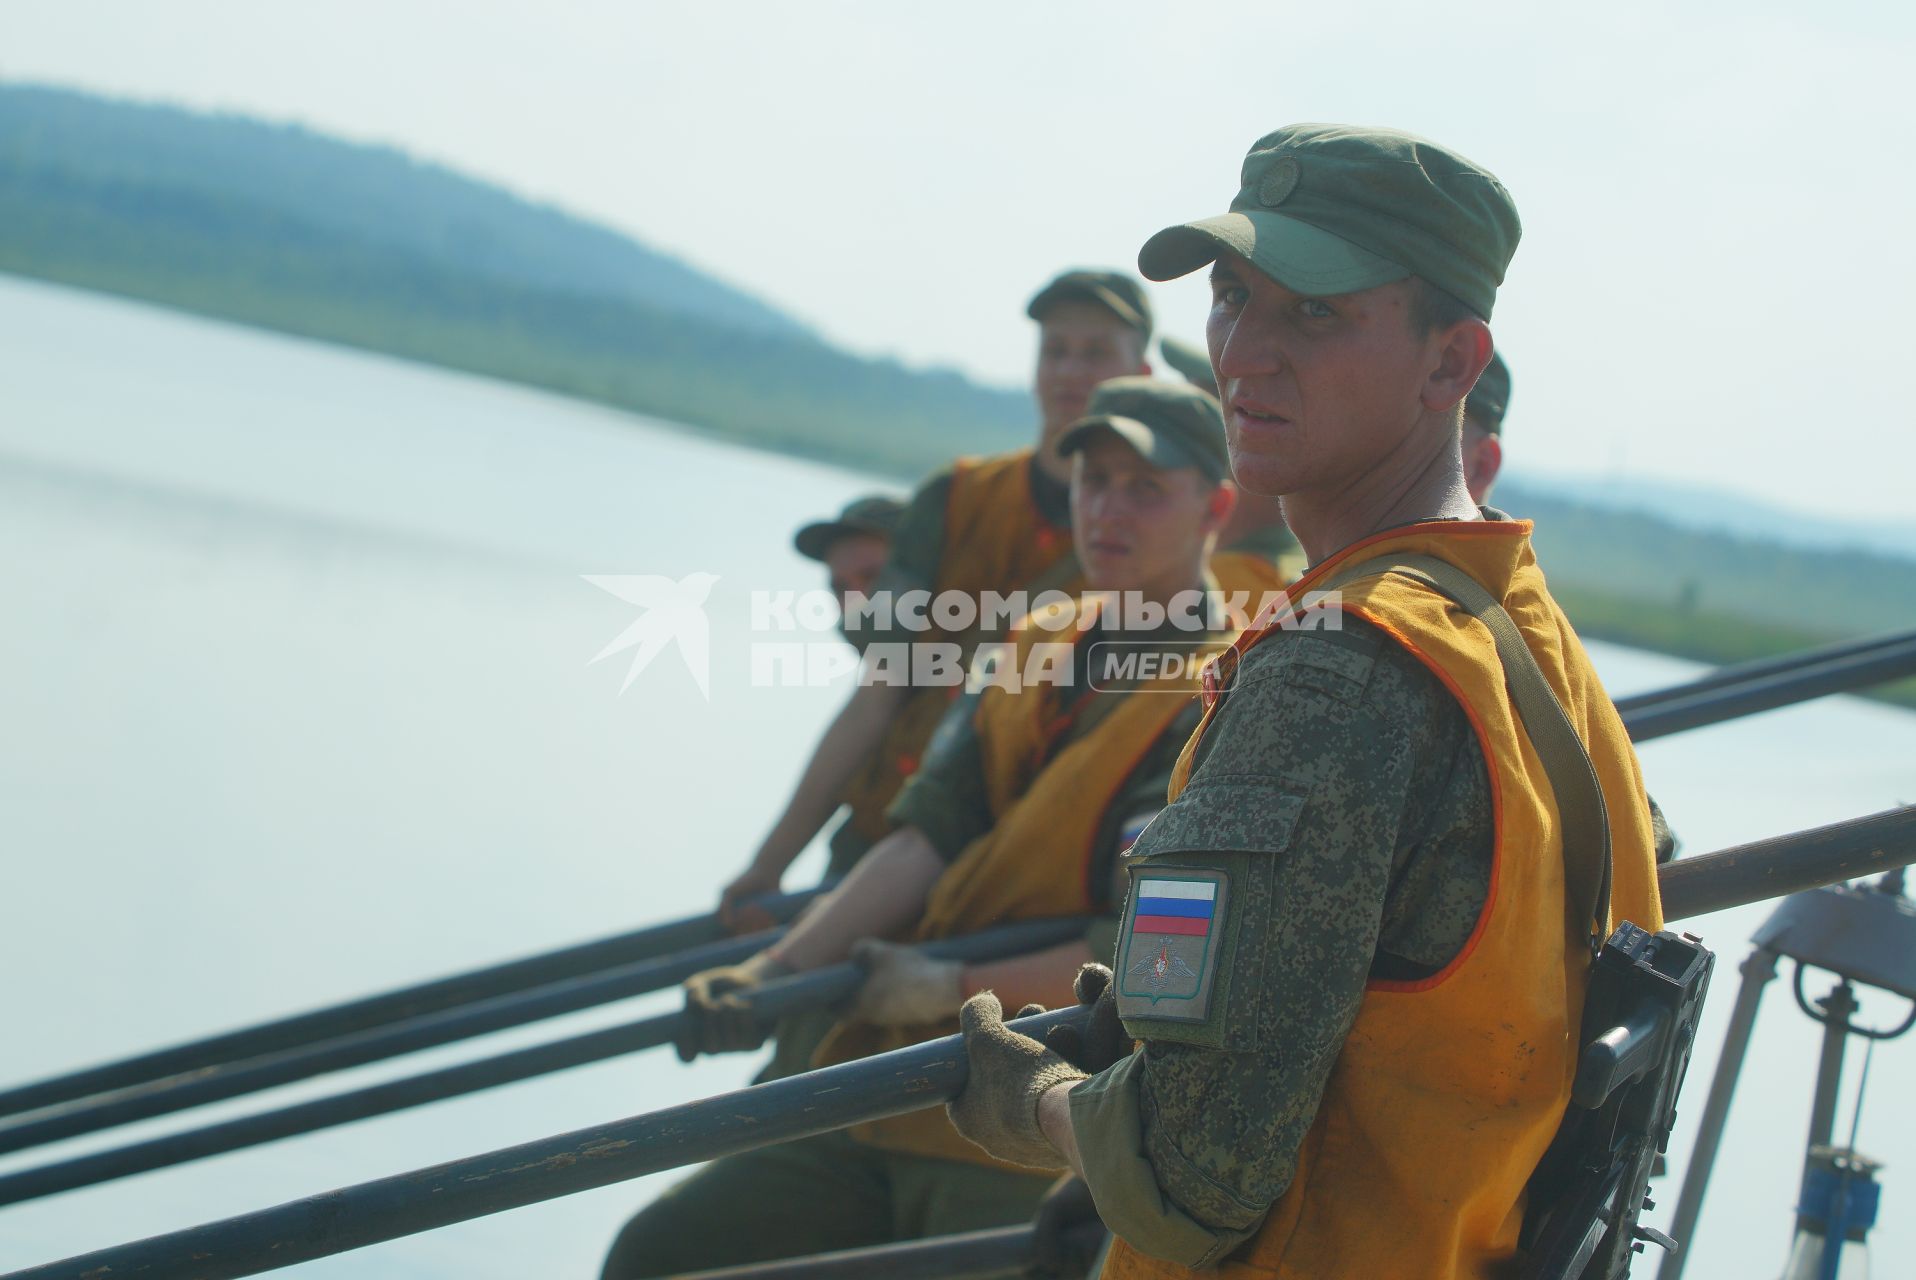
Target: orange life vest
x=1448 y=1089
x=1048 y=803
x=1249 y=573
x=996 y=539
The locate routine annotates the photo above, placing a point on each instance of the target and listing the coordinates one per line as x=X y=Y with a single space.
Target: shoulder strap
x=1573 y=779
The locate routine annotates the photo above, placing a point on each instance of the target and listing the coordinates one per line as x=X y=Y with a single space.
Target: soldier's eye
x=1316 y=308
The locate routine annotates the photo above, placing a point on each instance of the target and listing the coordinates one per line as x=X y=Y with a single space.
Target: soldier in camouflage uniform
x=1346 y=953
x=1026 y=799
x=963 y=532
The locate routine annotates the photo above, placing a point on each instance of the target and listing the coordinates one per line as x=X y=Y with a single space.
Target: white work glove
x=904 y=987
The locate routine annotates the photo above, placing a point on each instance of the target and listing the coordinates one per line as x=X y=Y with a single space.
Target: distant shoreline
x=1714 y=636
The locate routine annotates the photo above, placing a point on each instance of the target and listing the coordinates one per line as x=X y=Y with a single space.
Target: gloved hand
x=1103 y=1041
x=1009 y=1072
x=718 y=1018
x=1067 y=1231
x=904 y=986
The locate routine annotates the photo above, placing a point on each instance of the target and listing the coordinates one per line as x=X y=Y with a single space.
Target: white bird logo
x=674 y=613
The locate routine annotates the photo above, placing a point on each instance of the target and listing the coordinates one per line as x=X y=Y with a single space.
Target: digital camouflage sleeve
x=1337 y=826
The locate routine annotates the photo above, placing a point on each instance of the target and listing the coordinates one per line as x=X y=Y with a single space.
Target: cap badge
x=1279 y=181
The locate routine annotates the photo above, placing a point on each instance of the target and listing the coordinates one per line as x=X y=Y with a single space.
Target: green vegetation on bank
x=284 y=229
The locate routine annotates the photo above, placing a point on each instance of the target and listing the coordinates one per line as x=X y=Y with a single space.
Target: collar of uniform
x=1511 y=538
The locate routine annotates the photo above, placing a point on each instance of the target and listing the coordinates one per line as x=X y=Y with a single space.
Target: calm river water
x=294 y=669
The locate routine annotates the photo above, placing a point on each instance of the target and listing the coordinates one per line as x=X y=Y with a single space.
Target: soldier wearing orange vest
x=1034 y=785
x=1352 y=956
x=998 y=524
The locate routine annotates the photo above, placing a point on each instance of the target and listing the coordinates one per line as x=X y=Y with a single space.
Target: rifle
x=1640 y=1017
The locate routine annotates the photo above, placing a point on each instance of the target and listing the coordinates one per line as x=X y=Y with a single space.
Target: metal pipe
x=1783 y=865
x=1650 y=715
x=817 y=989
x=1758 y=970
x=764 y=1115
x=1838 y=1005
x=1678 y=712
x=388 y=1007
x=1762 y=668
x=800 y=1106
x=231 y=1080
x=971 y=1255
x=1777 y=681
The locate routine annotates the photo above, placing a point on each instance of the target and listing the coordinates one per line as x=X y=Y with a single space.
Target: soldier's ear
x=1459 y=356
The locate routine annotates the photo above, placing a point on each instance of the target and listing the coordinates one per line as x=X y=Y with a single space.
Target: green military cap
x=1170 y=424
x=876 y=515
x=1330 y=208
x=1116 y=291
x=1491 y=396
x=1191 y=361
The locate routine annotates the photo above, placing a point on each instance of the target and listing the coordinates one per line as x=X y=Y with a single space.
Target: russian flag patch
x=1175 y=906
x=1167 y=945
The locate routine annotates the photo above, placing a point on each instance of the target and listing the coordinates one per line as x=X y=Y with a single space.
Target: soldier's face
x=853 y=561
x=1316 y=390
x=1080 y=345
x=1136 y=527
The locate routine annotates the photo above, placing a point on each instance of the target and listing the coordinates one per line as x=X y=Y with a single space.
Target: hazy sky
x=1715 y=280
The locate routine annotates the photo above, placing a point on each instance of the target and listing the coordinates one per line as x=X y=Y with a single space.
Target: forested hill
x=376 y=196
x=281 y=227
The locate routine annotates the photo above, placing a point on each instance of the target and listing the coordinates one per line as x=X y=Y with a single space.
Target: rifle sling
x=1582 y=815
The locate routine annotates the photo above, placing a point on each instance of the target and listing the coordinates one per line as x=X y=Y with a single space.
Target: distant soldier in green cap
x=1484 y=429
x=1356 y=941
x=853 y=548
x=1027 y=798
x=999 y=524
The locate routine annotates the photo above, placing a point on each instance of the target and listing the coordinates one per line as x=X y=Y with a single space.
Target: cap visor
x=815 y=539
x=1163 y=451
x=1096 y=295
x=1296 y=254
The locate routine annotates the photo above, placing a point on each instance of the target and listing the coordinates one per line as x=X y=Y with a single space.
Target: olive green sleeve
x=945 y=799
x=1338 y=814
x=1106 y=1114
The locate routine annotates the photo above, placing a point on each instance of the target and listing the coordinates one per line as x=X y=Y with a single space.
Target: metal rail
x=801 y=1106
x=388 y=1007
x=1763 y=669
x=817 y=989
x=1679 y=710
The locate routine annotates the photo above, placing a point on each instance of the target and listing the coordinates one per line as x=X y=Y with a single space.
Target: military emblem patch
x=1167 y=949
